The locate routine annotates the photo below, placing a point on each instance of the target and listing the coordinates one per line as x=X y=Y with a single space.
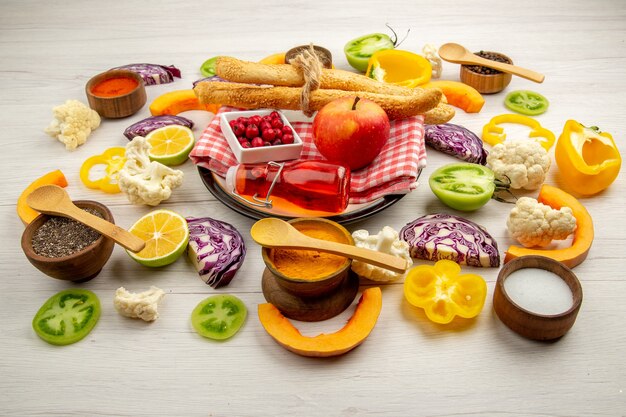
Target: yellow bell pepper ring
x=443 y=292
x=113 y=160
x=398 y=67
x=493 y=133
x=588 y=159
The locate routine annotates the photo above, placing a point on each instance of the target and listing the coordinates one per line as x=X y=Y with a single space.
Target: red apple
x=351 y=131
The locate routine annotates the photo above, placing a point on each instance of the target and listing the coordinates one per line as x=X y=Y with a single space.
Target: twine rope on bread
x=309 y=63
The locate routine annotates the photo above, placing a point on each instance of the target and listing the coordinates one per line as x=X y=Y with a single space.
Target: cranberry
x=277 y=123
x=252 y=131
x=242 y=139
x=242 y=120
x=287 y=130
x=265 y=126
x=257 y=142
x=287 y=139
x=256 y=120
x=266 y=118
x=267 y=144
x=246 y=145
x=232 y=123
x=239 y=129
x=275 y=115
x=277 y=142
x=268 y=135
x=278 y=133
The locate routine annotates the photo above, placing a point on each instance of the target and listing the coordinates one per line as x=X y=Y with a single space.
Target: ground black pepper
x=492 y=56
x=60 y=236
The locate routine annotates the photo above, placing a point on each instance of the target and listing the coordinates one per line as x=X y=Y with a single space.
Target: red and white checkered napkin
x=394 y=171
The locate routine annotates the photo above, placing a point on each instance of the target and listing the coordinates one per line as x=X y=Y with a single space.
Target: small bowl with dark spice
x=484 y=79
x=66 y=249
x=323 y=54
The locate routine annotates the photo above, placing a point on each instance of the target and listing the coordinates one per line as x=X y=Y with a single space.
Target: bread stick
x=286 y=75
x=443 y=113
x=288 y=98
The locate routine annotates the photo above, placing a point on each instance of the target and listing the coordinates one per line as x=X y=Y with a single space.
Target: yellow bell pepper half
x=397 y=67
x=494 y=134
x=113 y=160
x=443 y=292
x=588 y=159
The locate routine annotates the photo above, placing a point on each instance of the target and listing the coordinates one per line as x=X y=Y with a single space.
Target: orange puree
x=309 y=264
x=113 y=87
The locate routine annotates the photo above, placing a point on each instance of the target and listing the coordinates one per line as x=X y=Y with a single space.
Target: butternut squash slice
x=274 y=59
x=179 y=101
x=325 y=345
x=583 y=236
x=459 y=95
x=26 y=213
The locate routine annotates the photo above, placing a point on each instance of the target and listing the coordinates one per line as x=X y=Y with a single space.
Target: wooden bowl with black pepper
x=484 y=79
x=65 y=249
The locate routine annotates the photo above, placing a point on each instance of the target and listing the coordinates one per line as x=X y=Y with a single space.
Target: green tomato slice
x=219 y=317
x=67 y=316
x=207 y=68
x=359 y=51
x=463 y=186
x=526 y=102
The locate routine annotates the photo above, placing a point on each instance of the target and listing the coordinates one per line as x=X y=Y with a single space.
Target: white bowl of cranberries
x=260 y=136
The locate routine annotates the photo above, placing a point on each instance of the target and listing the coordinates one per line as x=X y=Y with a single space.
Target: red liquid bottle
x=313 y=185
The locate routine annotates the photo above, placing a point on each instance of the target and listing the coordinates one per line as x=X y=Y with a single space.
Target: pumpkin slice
x=324 y=345
x=459 y=95
x=26 y=213
x=583 y=236
x=179 y=101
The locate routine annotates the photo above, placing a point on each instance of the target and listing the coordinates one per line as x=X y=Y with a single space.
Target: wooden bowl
x=118 y=106
x=304 y=286
x=486 y=83
x=323 y=54
x=78 y=267
x=530 y=324
x=310 y=308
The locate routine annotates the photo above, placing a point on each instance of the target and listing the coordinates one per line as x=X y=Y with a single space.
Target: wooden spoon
x=52 y=199
x=453 y=52
x=276 y=233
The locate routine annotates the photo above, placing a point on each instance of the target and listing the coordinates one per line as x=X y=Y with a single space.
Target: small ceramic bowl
x=78 y=267
x=304 y=286
x=487 y=83
x=323 y=54
x=118 y=106
x=262 y=153
x=522 y=319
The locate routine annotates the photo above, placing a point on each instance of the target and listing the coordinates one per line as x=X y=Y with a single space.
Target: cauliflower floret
x=141 y=305
x=73 y=123
x=533 y=223
x=144 y=181
x=430 y=53
x=386 y=241
x=524 y=162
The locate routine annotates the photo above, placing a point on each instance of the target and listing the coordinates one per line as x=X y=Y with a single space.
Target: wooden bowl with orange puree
x=309 y=273
x=116 y=93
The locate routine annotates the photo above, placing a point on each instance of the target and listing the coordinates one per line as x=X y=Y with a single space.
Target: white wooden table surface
x=408 y=366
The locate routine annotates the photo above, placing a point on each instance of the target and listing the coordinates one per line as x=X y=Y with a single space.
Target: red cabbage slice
x=456 y=141
x=446 y=236
x=153 y=74
x=145 y=126
x=216 y=249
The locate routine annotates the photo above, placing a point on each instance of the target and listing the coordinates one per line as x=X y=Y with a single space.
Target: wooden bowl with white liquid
x=537 y=297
